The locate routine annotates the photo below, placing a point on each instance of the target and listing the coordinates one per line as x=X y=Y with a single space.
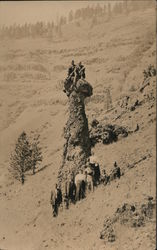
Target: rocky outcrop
x=106 y=133
x=131 y=215
x=77 y=147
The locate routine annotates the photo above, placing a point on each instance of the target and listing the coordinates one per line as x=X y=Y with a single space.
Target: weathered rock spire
x=77 y=147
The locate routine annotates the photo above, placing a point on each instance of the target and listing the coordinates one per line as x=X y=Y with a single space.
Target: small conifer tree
x=20 y=160
x=25 y=157
x=36 y=155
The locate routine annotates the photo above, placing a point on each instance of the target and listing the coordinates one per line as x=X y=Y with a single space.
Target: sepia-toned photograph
x=78 y=125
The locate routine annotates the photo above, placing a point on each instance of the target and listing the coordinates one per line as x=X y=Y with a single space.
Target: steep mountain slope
x=115 y=55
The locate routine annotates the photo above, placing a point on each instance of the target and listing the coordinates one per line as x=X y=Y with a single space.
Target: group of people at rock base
x=77 y=187
x=75 y=72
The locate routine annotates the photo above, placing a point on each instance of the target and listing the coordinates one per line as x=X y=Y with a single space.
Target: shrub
x=149 y=72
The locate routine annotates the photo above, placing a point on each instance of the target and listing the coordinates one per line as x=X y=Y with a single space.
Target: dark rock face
x=132 y=215
x=106 y=133
x=77 y=147
x=108 y=233
x=136 y=215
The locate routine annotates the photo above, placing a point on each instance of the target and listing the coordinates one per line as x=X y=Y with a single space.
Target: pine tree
x=25 y=157
x=20 y=160
x=36 y=155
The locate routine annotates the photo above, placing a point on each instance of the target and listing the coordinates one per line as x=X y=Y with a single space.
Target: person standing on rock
x=71 y=71
x=80 y=71
x=75 y=72
x=70 y=80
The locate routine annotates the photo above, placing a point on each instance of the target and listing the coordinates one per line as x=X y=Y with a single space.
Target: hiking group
x=75 y=72
x=79 y=185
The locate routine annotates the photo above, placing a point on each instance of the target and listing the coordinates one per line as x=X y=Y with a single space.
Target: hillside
x=115 y=54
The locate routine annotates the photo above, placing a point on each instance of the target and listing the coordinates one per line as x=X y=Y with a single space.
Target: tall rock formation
x=77 y=147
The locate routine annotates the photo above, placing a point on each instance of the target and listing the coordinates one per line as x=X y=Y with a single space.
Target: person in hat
x=80 y=180
x=71 y=71
x=68 y=83
x=89 y=178
x=80 y=71
x=116 y=173
x=96 y=174
x=56 y=199
x=104 y=177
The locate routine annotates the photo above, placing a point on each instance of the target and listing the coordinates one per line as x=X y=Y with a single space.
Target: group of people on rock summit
x=79 y=185
x=75 y=72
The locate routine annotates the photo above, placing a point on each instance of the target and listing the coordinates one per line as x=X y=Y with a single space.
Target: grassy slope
x=115 y=55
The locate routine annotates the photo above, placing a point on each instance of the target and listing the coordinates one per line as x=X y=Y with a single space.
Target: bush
x=149 y=72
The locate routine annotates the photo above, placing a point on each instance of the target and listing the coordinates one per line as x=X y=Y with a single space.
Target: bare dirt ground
x=115 y=54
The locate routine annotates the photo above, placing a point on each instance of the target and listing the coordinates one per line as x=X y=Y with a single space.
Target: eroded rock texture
x=130 y=215
x=77 y=147
x=106 y=133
